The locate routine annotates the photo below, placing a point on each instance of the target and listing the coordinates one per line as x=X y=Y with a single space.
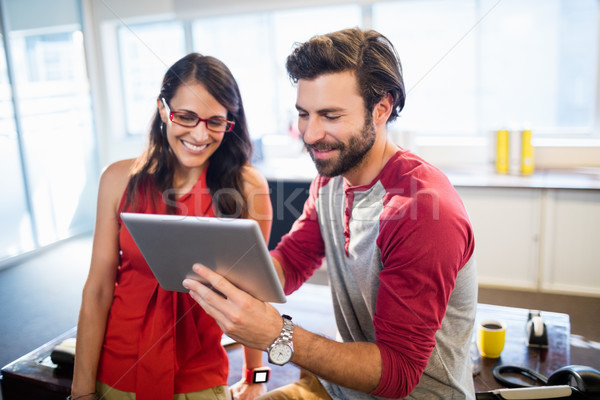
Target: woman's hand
x=243 y=390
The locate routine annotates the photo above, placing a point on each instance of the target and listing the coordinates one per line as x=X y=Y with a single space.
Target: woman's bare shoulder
x=119 y=167
x=115 y=177
x=253 y=179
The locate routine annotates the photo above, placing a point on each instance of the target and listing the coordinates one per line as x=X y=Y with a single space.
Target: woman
x=134 y=337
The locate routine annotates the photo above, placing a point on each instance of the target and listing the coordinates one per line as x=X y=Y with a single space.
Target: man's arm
x=257 y=324
x=355 y=365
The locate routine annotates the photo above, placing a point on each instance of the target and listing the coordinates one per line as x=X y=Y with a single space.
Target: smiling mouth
x=318 y=154
x=321 y=150
x=194 y=147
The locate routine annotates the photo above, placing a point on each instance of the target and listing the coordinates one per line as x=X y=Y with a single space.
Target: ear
x=383 y=109
x=161 y=110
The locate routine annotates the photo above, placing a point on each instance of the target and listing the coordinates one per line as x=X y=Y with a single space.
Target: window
x=45 y=57
x=470 y=66
x=476 y=65
x=56 y=130
x=291 y=27
x=16 y=237
x=550 y=77
x=47 y=141
x=146 y=52
x=242 y=42
x=255 y=47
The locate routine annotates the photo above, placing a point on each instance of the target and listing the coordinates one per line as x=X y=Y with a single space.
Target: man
x=396 y=237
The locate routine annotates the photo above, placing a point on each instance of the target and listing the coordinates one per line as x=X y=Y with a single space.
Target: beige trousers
x=307 y=388
x=217 y=393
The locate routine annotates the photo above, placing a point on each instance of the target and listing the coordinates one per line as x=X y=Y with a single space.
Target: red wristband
x=258 y=375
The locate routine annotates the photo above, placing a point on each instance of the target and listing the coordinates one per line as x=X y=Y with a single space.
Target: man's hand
x=242 y=317
x=356 y=365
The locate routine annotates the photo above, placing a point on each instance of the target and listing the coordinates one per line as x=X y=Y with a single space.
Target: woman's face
x=192 y=146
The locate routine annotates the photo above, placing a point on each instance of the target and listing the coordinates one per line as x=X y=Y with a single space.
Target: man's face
x=332 y=121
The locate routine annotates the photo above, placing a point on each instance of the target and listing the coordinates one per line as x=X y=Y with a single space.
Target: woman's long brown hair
x=154 y=168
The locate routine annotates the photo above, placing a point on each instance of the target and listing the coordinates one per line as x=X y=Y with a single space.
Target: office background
x=79 y=78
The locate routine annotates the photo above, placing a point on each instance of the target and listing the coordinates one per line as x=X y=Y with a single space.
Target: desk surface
x=311 y=308
x=516 y=352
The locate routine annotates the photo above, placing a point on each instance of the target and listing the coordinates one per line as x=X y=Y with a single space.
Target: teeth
x=192 y=147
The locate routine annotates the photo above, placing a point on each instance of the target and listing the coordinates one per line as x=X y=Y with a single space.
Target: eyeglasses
x=190 y=120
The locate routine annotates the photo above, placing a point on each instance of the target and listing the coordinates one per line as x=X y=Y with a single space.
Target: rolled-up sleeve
x=300 y=252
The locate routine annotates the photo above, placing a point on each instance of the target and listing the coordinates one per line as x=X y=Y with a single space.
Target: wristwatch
x=282 y=349
x=258 y=375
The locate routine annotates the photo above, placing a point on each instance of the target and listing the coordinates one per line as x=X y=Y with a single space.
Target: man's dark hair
x=369 y=54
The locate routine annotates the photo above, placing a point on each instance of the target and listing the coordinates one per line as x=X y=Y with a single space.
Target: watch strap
x=288 y=328
x=258 y=375
x=286 y=331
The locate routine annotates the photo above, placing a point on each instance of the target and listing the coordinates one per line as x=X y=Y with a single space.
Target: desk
x=33 y=376
x=516 y=352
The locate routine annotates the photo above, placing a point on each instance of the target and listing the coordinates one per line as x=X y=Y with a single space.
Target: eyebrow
x=323 y=111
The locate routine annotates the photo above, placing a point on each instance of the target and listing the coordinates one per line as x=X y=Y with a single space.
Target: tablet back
x=234 y=248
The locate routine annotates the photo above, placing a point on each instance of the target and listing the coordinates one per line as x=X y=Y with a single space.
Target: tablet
x=234 y=248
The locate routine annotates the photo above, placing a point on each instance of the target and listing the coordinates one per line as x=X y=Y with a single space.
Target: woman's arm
x=256 y=193
x=99 y=288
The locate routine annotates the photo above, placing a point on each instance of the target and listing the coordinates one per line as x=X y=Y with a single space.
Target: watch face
x=261 y=376
x=280 y=353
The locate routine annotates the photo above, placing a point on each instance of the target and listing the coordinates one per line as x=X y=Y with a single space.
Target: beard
x=350 y=155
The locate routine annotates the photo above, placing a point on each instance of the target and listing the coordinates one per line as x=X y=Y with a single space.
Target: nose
x=200 y=132
x=311 y=129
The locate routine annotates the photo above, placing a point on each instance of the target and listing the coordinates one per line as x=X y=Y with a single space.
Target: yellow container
x=526 y=153
x=502 y=151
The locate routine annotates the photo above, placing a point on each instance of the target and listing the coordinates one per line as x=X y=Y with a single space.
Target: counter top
x=588 y=179
x=301 y=168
